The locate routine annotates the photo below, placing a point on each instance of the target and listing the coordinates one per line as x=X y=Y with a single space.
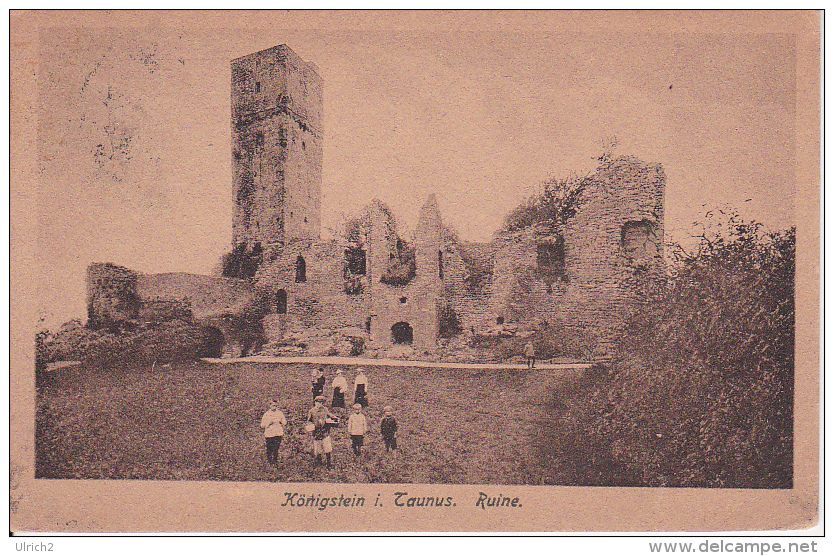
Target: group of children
x=340 y=387
x=320 y=420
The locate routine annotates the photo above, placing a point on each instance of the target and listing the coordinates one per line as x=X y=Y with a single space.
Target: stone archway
x=402 y=333
x=213 y=342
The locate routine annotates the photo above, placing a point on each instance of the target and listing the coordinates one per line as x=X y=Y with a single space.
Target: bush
x=242 y=262
x=357 y=346
x=559 y=201
x=164 y=343
x=701 y=391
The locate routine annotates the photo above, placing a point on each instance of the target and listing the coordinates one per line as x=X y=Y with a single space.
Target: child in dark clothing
x=317 y=380
x=389 y=429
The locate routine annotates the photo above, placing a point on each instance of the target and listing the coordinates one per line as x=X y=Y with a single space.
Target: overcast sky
x=479 y=119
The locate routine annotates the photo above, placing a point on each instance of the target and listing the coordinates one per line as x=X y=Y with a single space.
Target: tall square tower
x=276 y=148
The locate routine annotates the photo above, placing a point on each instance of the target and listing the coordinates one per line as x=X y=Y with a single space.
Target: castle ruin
x=373 y=284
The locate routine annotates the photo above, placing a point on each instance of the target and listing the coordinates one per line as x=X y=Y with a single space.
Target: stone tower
x=276 y=148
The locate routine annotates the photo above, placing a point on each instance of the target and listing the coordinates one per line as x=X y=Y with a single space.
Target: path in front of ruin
x=335 y=360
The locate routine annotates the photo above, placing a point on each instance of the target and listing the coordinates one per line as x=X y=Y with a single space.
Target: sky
x=134 y=132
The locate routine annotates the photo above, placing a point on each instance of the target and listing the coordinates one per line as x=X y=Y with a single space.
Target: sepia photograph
x=446 y=257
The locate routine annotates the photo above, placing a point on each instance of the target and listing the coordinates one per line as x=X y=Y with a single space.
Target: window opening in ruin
x=499 y=320
x=353 y=269
x=355 y=259
x=303 y=146
x=550 y=261
x=402 y=333
x=403 y=300
x=305 y=219
x=440 y=264
x=257 y=86
x=300 y=269
x=281 y=302
x=637 y=240
x=259 y=139
x=402 y=266
x=368 y=325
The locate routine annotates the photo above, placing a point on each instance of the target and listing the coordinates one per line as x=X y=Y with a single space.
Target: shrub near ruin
x=701 y=389
x=165 y=342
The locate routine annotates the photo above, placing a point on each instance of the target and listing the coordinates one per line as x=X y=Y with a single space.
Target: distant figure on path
x=317 y=380
x=357 y=427
x=530 y=354
x=322 y=420
x=389 y=429
x=340 y=387
x=360 y=389
x=273 y=423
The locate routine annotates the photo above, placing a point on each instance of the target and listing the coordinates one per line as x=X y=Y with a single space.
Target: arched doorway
x=213 y=341
x=402 y=333
x=281 y=302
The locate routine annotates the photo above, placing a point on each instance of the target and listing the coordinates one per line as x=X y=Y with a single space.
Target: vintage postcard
x=414 y=271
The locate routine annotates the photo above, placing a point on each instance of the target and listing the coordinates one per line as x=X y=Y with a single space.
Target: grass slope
x=200 y=421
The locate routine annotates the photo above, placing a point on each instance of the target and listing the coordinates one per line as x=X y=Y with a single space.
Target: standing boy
x=389 y=429
x=322 y=420
x=273 y=423
x=357 y=427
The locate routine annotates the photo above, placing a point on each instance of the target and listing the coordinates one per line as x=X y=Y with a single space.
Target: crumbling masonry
x=373 y=285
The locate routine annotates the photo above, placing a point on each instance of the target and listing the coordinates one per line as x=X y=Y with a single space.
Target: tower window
x=300 y=269
x=303 y=146
x=440 y=264
x=638 y=240
x=281 y=302
x=259 y=139
x=257 y=86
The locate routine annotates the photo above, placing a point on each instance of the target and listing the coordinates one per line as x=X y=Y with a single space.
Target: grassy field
x=200 y=421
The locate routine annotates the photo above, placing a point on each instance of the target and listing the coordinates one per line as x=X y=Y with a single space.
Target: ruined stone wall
x=415 y=303
x=321 y=300
x=206 y=295
x=471 y=307
x=214 y=301
x=593 y=297
x=111 y=294
x=162 y=310
x=277 y=148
